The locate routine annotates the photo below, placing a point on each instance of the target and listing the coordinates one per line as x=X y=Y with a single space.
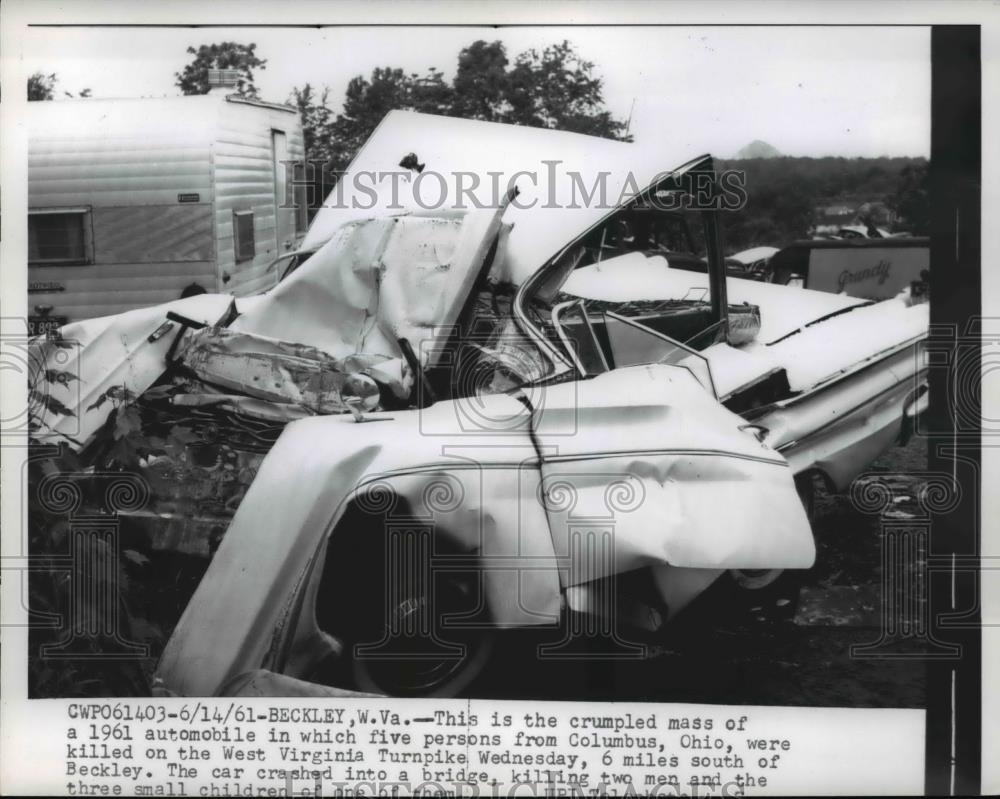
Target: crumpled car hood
x=340 y=315
x=378 y=280
x=102 y=363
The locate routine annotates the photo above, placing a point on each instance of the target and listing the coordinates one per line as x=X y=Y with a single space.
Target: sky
x=808 y=91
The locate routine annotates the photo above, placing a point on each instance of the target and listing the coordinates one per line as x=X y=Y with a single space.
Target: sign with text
x=872 y=273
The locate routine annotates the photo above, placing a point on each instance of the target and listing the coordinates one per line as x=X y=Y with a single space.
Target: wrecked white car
x=478 y=419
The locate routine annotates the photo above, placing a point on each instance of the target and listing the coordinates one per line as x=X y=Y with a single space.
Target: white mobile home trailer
x=132 y=201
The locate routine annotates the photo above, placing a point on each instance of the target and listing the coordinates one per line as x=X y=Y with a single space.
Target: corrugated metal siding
x=244 y=179
x=127 y=161
x=170 y=247
x=112 y=288
x=119 y=152
x=150 y=234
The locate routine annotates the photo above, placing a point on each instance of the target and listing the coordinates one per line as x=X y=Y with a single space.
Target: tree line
x=783 y=195
x=555 y=87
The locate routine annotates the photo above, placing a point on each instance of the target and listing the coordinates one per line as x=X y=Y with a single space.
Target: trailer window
x=243 y=239
x=59 y=237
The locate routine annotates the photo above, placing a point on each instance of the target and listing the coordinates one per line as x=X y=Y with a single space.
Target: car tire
x=773 y=594
x=393 y=612
x=775 y=597
x=411 y=651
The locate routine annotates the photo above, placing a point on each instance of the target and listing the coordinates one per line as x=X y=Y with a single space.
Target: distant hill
x=758 y=149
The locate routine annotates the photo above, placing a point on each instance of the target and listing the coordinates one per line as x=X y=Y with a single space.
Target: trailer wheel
x=193 y=290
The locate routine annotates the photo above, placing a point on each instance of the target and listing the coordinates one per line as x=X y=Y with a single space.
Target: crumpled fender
x=644 y=466
x=442 y=464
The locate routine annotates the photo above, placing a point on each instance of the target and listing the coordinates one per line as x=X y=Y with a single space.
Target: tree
x=874 y=214
x=224 y=55
x=318 y=139
x=43 y=87
x=552 y=89
x=557 y=89
x=430 y=94
x=911 y=199
x=317 y=121
x=780 y=203
x=482 y=85
x=367 y=101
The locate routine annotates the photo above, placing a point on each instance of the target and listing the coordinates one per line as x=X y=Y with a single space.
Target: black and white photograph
x=568 y=406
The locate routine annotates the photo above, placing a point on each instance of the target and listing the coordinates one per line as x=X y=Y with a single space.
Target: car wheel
x=754 y=579
x=767 y=594
x=773 y=594
x=410 y=651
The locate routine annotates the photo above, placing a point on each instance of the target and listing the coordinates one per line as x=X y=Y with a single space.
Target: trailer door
x=284 y=215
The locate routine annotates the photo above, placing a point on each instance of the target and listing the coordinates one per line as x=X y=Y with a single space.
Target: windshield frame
x=541 y=279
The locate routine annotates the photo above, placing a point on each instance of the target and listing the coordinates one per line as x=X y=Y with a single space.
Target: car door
x=642 y=466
